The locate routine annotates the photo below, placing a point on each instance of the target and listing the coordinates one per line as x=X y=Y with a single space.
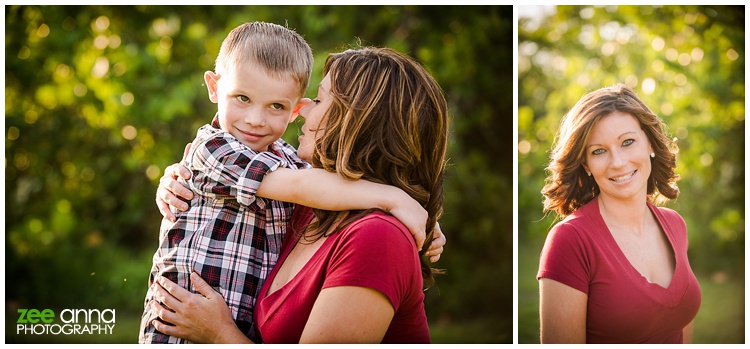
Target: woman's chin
x=304 y=155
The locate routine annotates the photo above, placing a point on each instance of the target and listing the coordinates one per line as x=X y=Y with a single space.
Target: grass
x=528 y=293
x=475 y=331
x=721 y=319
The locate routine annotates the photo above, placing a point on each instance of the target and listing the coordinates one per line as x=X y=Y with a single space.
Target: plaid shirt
x=228 y=235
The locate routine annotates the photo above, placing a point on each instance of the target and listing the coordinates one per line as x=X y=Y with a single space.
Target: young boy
x=228 y=235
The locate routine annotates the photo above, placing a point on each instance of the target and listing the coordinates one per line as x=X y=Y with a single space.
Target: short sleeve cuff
x=256 y=170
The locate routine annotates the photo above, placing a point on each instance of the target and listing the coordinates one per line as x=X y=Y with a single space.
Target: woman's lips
x=623 y=178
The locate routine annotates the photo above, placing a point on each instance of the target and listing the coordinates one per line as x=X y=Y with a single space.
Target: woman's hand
x=199 y=318
x=170 y=191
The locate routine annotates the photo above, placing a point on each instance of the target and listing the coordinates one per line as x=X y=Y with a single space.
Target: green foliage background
x=688 y=64
x=100 y=99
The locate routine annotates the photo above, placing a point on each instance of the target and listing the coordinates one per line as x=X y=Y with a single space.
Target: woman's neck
x=630 y=215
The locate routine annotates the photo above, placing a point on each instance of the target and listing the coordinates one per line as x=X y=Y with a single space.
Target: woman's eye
x=243 y=98
x=316 y=101
x=628 y=142
x=597 y=151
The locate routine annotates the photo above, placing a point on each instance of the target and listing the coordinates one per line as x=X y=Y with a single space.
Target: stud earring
x=588 y=173
x=653 y=155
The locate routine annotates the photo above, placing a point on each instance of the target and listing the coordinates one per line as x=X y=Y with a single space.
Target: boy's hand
x=414 y=217
x=436 y=247
x=410 y=213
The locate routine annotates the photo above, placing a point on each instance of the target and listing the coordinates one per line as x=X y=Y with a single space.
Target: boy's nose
x=255 y=118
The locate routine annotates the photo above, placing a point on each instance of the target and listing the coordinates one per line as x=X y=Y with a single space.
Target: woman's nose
x=618 y=159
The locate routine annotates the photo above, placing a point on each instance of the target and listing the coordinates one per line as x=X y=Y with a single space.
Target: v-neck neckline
x=666 y=295
x=313 y=258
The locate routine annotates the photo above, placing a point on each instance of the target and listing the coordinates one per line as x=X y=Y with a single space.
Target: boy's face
x=254 y=107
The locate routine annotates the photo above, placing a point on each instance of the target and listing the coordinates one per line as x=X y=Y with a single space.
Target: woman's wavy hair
x=568 y=187
x=388 y=123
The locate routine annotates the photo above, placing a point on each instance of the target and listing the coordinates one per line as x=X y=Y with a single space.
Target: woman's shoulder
x=670 y=216
x=379 y=225
x=667 y=212
x=567 y=230
x=578 y=220
x=380 y=219
x=580 y=225
x=376 y=241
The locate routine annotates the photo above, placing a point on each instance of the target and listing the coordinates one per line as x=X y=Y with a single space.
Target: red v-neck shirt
x=375 y=251
x=623 y=306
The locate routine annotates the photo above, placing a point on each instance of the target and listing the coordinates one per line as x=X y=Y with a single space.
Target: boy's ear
x=302 y=102
x=212 y=85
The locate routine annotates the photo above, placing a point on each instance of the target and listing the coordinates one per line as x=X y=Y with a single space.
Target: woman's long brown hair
x=387 y=124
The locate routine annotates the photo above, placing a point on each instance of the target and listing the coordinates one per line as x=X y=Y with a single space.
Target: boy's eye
x=243 y=98
x=277 y=106
x=628 y=142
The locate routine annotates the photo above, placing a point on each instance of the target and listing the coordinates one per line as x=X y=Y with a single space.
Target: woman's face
x=314 y=115
x=618 y=157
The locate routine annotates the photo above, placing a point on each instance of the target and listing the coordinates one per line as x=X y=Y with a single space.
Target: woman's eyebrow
x=618 y=137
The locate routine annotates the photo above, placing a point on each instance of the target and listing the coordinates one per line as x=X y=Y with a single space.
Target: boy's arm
x=319 y=188
x=232 y=170
x=315 y=188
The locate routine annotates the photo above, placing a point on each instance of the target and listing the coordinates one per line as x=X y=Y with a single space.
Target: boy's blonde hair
x=282 y=52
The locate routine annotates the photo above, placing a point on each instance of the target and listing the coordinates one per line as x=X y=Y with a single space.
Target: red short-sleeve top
x=375 y=251
x=623 y=306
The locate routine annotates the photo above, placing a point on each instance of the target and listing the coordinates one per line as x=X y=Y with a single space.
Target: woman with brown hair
x=346 y=276
x=615 y=269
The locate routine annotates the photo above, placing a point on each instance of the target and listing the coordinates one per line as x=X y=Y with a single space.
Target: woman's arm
x=687 y=334
x=562 y=312
x=205 y=317
x=199 y=318
x=337 y=308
